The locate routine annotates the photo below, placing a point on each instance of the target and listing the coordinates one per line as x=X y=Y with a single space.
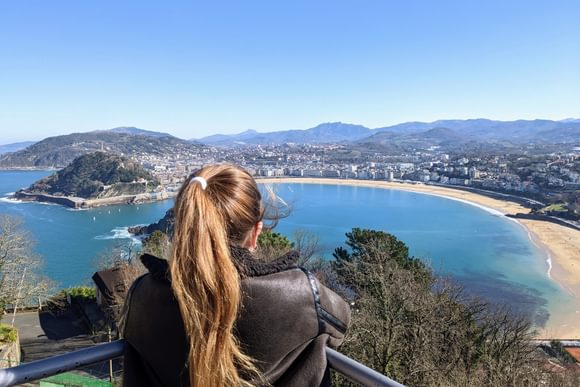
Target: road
x=43 y=335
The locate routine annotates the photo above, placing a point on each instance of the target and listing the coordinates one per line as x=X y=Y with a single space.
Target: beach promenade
x=561 y=244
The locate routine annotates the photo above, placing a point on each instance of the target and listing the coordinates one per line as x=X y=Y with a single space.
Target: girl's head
x=218 y=206
x=224 y=193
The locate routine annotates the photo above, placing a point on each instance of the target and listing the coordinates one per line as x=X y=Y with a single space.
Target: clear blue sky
x=198 y=68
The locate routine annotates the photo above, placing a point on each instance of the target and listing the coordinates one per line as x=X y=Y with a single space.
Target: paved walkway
x=28 y=324
x=43 y=334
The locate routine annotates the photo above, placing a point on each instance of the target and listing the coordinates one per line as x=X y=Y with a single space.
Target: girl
x=215 y=316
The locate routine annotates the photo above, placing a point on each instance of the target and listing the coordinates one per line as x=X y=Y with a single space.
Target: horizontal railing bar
x=39 y=369
x=356 y=371
x=43 y=368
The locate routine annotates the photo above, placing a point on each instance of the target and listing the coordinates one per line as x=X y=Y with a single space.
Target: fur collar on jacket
x=247 y=265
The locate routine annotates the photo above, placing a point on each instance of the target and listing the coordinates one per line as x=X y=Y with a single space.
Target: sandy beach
x=561 y=243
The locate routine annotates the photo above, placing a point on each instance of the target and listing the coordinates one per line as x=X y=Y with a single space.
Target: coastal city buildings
x=535 y=175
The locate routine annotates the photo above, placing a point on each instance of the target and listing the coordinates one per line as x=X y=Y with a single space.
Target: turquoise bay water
x=71 y=241
x=491 y=255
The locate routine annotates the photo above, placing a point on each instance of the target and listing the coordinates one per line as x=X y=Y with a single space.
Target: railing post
x=111 y=360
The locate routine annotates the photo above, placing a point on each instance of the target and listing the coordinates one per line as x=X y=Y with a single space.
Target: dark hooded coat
x=286 y=320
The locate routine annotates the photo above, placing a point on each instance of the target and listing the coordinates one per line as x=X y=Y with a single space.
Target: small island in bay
x=96 y=179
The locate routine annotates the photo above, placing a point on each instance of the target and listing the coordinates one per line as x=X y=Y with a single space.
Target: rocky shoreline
x=164 y=225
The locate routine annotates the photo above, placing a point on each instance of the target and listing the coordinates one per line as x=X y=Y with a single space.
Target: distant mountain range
x=7 y=148
x=331 y=132
x=433 y=132
x=59 y=151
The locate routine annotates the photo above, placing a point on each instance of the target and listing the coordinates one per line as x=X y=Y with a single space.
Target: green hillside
x=59 y=151
x=97 y=175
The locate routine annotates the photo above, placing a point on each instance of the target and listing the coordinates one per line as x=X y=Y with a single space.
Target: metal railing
x=39 y=369
x=356 y=371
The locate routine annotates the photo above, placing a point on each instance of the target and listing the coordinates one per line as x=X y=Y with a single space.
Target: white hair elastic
x=200 y=180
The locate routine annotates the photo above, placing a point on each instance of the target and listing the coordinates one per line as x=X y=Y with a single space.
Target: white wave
x=9 y=193
x=44 y=203
x=116 y=233
x=544 y=249
x=549 y=261
x=119 y=233
x=490 y=210
x=10 y=200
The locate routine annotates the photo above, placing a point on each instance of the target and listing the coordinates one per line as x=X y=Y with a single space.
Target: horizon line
x=571 y=119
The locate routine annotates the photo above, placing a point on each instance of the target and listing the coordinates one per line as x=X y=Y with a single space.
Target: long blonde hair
x=205 y=281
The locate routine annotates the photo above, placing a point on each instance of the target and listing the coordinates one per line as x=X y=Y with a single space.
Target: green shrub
x=7 y=334
x=82 y=292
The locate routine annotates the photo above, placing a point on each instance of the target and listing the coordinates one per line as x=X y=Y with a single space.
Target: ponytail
x=206 y=285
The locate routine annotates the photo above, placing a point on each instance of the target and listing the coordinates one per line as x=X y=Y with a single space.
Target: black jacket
x=286 y=320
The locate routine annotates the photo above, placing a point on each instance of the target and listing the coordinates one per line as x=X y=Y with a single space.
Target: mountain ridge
x=136 y=131
x=15 y=146
x=324 y=132
x=479 y=129
x=59 y=151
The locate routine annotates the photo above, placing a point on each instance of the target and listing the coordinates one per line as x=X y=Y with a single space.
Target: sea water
x=491 y=255
x=73 y=243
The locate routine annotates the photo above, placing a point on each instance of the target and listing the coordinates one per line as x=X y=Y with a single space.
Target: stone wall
x=10 y=354
x=76 y=202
